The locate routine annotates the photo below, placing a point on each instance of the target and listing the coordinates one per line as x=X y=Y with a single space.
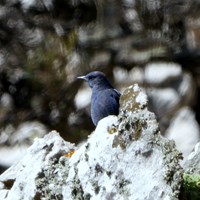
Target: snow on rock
x=187 y=135
x=27 y=131
x=191 y=176
x=43 y=163
x=14 y=142
x=124 y=158
x=133 y=99
x=11 y=155
x=192 y=163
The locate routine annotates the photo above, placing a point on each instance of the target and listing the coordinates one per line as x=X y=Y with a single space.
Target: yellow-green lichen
x=128 y=100
x=112 y=129
x=118 y=141
x=130 y=125
x=128 y=130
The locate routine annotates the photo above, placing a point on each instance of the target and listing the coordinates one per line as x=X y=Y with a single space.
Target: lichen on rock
x=131 y=119
x=133 y=99
x=41 y=173
x=191 y=176
x=50 y=180
x=132 y=153
x=124 y=158
x=136 y=122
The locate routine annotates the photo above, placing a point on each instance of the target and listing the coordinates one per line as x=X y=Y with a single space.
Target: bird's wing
x=116 y=94
x=107 y=102
x=104 y=103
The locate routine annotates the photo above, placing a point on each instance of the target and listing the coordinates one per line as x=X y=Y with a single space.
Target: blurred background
x=46 y=44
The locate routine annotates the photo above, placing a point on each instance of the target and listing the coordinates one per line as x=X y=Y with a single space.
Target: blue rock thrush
x=105 y=99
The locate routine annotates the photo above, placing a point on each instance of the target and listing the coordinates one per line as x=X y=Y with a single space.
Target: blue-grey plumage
x=105 y=99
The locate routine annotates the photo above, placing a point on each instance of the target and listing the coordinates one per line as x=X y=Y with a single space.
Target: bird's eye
x=91 y=77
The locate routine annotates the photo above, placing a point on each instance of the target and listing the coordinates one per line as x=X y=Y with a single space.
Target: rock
x=191 y=175
x=124 y=158
x=14 y=142
x=187 y=135
x=171 y=92
x=192 y=163
x=34 y=173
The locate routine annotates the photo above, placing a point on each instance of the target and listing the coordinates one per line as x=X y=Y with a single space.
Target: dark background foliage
x=45 y=45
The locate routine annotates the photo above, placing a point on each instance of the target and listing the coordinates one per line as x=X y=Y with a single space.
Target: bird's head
x=96 y=79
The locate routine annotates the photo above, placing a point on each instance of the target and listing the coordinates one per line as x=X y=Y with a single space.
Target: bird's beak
x=82 y=77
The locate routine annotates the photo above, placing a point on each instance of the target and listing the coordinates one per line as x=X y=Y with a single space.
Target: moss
x=191 y=186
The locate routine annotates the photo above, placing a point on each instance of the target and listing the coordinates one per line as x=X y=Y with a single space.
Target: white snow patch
x=136 y=88
x=185 y=130
x=6 y=101
x=163 y=100
x=194 y=153
x=96 y=164
x=29 y=131
x=21 y=139
x=10 y=155
x=120 y=74
x=82 y=98
x=159 y=72
x=37 y=158
x=125 y=77
x=136 y=75
x=141 y=98
x=97 y=168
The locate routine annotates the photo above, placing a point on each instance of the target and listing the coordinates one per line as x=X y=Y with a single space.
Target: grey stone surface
x=124 y=158
x=192 y=163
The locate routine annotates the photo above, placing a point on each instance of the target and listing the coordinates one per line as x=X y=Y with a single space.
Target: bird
x=104 y=99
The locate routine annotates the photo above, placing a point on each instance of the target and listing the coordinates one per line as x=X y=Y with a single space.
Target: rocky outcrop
x=192 y=175
x=46 y=44
x=124 y=158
